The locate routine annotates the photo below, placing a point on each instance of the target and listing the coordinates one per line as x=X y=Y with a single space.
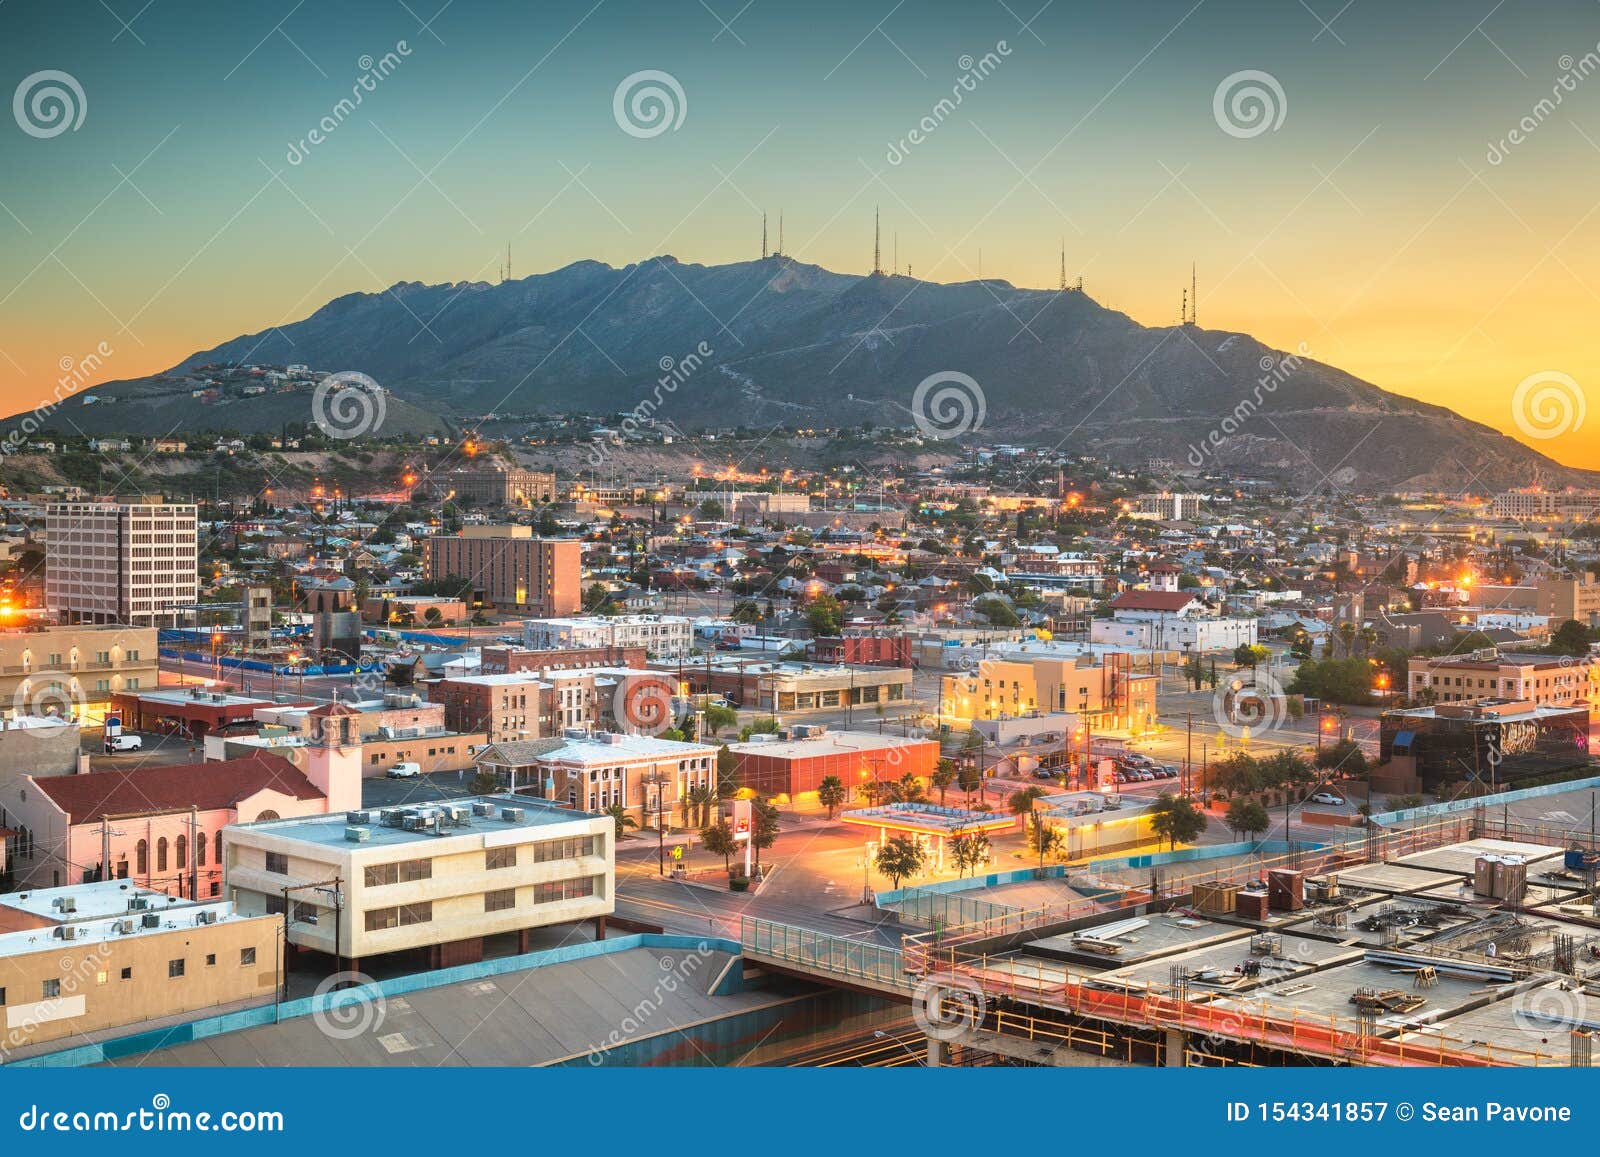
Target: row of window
x=141 y=853
x=50 y=989
x=399 y=872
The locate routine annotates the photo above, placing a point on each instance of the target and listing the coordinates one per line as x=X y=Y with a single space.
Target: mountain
x=784 y=342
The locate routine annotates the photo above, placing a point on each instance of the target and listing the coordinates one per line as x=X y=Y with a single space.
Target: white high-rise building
x=120 y=562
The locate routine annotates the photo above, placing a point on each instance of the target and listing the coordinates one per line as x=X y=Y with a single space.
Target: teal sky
x=1369 y=224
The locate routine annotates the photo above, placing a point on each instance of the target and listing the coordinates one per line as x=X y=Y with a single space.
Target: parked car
x=124 y=743
x=1327 y=797
x=404 y=770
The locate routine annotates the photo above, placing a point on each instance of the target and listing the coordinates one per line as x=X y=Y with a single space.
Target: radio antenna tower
x=780 y=231
x=877 y=238
x=763 y=236
x=1194 y=295
x=1063 y=265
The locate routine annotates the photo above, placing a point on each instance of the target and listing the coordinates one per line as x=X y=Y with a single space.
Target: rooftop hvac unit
x=512 y=815
x=358 y=817
x=137 y=903
x=209 y=916
x=69 y=932
x=456 y=814
x=125 y=927
x=391 y=817
x=357 y=835
x=67 y=903
x=483 y=808
x=151 y=920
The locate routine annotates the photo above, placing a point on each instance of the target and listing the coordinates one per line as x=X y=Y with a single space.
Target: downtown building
x=511 y=569
x=497 y=486
x=127 y=562
x=661 y=636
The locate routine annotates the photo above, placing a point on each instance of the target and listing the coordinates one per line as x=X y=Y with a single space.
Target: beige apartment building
x=511 y=568
x=94 y=957
x=439 y=877
x=1543 y=680
x=51 y=668
x=1108 y=694
x=120 y=561
x=498 y=486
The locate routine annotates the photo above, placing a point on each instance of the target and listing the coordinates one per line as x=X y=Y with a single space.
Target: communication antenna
x=763 y=236
x=780 y=230
x=1194 y=295
x=1183 y=310
x=877 y=238
x=1063 y=265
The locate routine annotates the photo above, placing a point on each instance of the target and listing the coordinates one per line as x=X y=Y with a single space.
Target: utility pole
x=1188 y=757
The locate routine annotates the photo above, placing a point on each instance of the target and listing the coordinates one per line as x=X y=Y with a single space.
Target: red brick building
x=501 y=660
x=795 y=766
x=865 y=650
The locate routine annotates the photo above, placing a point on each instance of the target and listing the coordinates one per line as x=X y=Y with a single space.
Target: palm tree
x=1022 y=803
x=697 y=807
x=619 y=816
x=944 y=774
x=906 y=789
x=831 y=794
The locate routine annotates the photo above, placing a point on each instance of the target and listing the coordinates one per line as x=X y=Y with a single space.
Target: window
x=500 y=901
x=402 y=871
x=546 y=851
x=304 y=913
x=2 y=996
x=141 y=857
x=174 y=968
x=247 y=957
x=200 y=850
x=127 y=974
x=378 y=919
x=161 y=855
x=497 y=858
x=564 y=890
x=277 y=863
x=99 y=978
x=415 y=870
x=183 y=852
x=211 y=959
x=217 y=847
x=52 y=989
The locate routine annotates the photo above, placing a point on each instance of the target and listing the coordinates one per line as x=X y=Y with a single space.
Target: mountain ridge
x=793 y=342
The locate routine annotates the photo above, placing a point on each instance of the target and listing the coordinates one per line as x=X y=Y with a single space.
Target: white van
x=124 y=743
x=404 y=770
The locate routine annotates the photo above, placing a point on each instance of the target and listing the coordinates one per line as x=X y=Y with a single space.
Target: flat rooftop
x=181 y=696
x=546 y=1016
x=329 y=830
x=927 y=817
x=103 y=911
x=827 y=743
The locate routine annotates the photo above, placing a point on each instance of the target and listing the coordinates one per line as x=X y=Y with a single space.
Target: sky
x=1379 y=212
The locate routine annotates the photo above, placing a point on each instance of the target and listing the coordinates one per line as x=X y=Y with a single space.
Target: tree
x=997 y=611
x=1247 y=817
x=968 y=850
x=746 y=611
x=597 y=600
x=825 y=615
x=831 y=794
x=1023 y=804
x=763 y=827
x=718 y=717
x=697 y=806
x=1250 y=655
x=906 y=789
x=619 y=816
x=900 y=858
x=1345 y=757
x=718 y=840
x=1570 y=638
x=1176 y=819
x=944 y=774
x=485 y=782
x=727 y=769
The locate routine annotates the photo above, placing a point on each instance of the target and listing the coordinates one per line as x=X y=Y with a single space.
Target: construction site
x=1445 y=944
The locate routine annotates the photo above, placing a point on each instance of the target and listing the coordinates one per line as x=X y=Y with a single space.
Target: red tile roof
x=1152 y=600
x=173 y=787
